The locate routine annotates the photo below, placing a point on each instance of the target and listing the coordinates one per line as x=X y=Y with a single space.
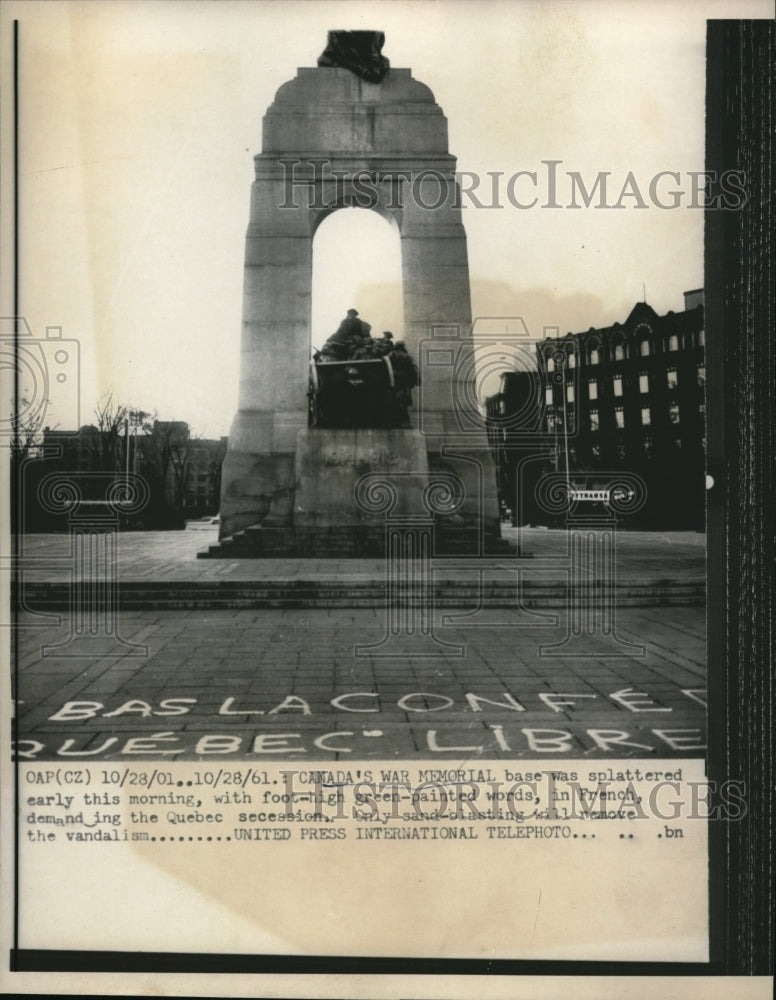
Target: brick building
x=627 y=397
x=182 y=472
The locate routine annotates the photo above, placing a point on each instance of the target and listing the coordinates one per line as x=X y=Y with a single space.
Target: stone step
x=354 y=593
x=338 y=543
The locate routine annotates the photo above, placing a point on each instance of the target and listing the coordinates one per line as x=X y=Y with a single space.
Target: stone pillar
x=258 y=471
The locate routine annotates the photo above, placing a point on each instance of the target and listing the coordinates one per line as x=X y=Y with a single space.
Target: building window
x=673 y=342
x=572 y=359
x=644 y=349
x=701 y=339
x=619 y=417
x=594 y=420
x=700 y=376
x=619 y=352
x=673 y=413
x=548 y=395
x=570 y=393
x=595 y=356
x=592 y=390
x=617 y=385
x=672 y=379
x=646 y=416
x=643 y=383
x=550 y=363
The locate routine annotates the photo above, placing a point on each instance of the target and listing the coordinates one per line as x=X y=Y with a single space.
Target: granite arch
x=324 y=136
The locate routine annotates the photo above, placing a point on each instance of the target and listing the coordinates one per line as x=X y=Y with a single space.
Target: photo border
x=741 y=416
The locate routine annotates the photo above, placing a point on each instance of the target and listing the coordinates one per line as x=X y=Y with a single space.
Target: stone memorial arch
x=367 y=137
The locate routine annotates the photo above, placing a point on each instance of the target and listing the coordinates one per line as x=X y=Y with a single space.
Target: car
x=204 y=522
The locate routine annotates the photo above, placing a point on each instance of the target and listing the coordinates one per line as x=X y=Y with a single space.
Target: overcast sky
x=140 y=118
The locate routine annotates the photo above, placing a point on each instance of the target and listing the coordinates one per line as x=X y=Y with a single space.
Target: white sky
x=140 y=118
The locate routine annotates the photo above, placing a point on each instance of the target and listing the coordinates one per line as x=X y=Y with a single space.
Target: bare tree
x=215 y=463
x=181 y=455
x=105 y=445
x=26 y=431
x=172 y=446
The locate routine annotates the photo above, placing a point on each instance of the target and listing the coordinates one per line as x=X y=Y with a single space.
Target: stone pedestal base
x=344 y=487
x=330 y=468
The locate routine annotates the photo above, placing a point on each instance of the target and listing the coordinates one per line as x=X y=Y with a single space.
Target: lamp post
x=126 y=447
x=560 y=363
x=565 y=423
x=133 y=419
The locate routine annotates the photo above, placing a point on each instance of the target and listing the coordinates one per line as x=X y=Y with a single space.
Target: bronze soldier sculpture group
x=352 y=341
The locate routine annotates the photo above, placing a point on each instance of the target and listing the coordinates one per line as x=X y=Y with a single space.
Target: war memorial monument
x=354 y=132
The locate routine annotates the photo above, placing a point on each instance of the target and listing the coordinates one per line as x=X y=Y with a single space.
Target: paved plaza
x=278 y=683
x=156 y=556
x=348 y=683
